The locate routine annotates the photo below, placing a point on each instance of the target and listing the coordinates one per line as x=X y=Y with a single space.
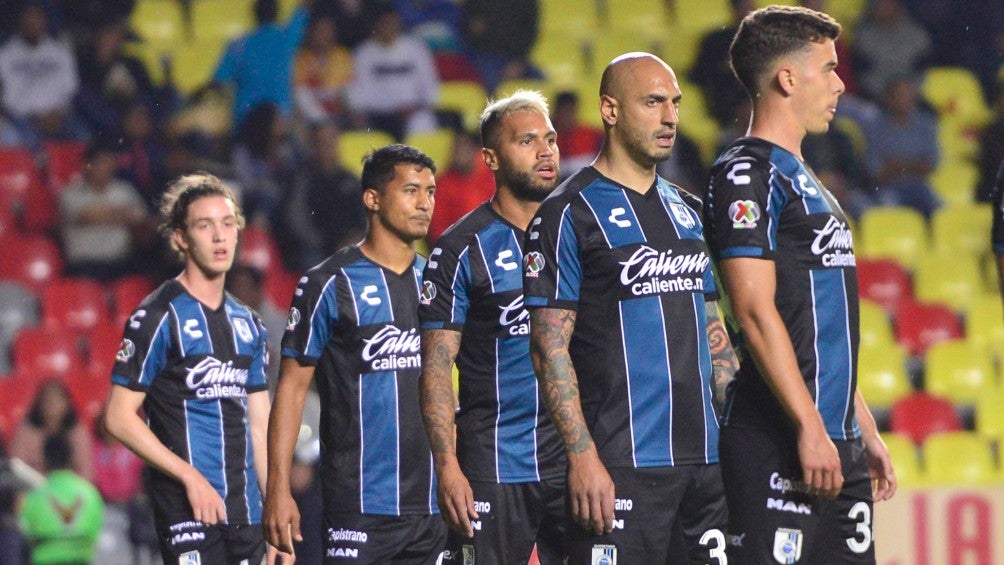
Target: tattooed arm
x=439 y=404
x=724 y=363
x=590 y=489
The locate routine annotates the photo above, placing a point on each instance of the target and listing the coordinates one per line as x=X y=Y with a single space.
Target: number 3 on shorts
x=863 y=515
x=718 y=551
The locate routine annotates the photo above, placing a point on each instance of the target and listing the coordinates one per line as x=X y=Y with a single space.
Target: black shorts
x=371 y=538
x=772 y=519
x=654 y=507
x=511 y=518
x=195 y=543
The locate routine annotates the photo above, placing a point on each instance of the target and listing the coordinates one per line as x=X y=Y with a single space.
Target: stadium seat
x=561 y=58
x=258 y=249
x=437 y=144
x=918 y=326
x=17 y=390
x=985 y=324
x=354 y=145
x=221 y=20
x=990 y=274
x=610 y=44
x=279 y=286
x=18 y=173
x=89 y=391
x=958 y=371
x=18 y=308
x=46 y=351
x=989 y=417
x=884 y=282
x=894 y=232
x=194 y=62
x=962 y=228
x=466 y=98
x=905 y=458
x=882 y=377
x=158 y=22
x=959 y=458
x=508 y=86
x=78 y=305
x=952 y=279
x=126 y=294
x=644 y=17
x=570 y=19
x=64 y=160
x=956 y=95
x=876 y=328
x=700 y=16
x=102 y=345
x=920 y=414
x=954 y=180
x=33 y=260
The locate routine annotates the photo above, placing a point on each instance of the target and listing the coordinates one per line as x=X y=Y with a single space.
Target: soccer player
x=998 y=226
x=800 y=450
x=623 y=320
x=353 y=327
x=194 y=358
x=502 y=474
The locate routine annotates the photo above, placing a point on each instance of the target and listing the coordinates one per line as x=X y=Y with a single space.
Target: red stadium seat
x=17 y=390
x=41 y=210
x=47 y=351
x=127 y=292
x=885 y=282
x=102 y=345
x=279 y=286
x=30 y=259
x=89 y=390
x=18 y=172
x=918 y=326
x=259 y=250
x=920 y=415
x=64 y=161
x=77 y=304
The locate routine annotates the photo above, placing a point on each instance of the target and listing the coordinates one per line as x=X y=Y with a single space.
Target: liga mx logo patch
x=428 y=293
x=744 y=214
x=533 y=263
x=126 y=351
x=787 y=546
x=604 y=555
x=293 y=319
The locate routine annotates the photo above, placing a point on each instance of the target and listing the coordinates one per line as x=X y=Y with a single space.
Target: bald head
x=627 y=69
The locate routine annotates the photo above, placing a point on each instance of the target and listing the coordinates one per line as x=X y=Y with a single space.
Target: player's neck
x=207 y=290
x=616 y=164
x=777 y=127
x=387 y=249
x=514 y=210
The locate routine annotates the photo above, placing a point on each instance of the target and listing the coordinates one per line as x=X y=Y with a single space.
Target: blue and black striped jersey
x=357 y=322
x=473 y=284
x=636 y=269
x=764 y=202
x=197 y=365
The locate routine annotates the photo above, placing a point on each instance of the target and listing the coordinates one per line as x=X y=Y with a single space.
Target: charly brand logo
x=367 y=295
x=515 y=318
x=744 y=214
x=212 y=378
x=617 y=218
x=390 y=349
x=428 y=293
x=648 y=271
x=533 y=263
x=835 y=244
x=505 y=260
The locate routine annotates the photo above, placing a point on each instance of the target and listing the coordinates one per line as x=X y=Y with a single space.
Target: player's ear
x=371 y=199
x=785 y=78
x=178 y=237
x=609 y=109
x=491 y=158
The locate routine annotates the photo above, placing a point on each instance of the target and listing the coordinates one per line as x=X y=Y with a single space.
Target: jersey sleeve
x=552 y=267
x=743 y=211
x=312 y=315
x=446 y=285
x=142 y=355
x=258 y=374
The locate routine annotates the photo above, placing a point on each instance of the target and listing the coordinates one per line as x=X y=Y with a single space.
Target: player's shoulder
x=333 y=265
x=754 y=151
x=569 y=190
x=460 y=234
x=159 y=301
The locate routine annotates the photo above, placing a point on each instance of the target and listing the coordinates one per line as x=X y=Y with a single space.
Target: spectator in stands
x=52 y=415
x=247 y=284
x=262 y=159
x=259 y=64
x=579 y=143
x=902 y=146
x=465 y=183
x=323 y=211
x=887 y=43
x=396 y=86
x=322 y=71
x=38 y=76
x=104 y=220
x=62 y=518
x=711 y=72
x=140 y=153
x=500 y=35
x=354 y=19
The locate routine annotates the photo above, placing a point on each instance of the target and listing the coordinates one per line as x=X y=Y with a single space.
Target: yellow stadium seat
x=876 y=327
x=954 y=180
x=464 y=97
x=955 y=93
x=952 y=279
x=194 y=62
x=613 y=43
x=640 y=16
x=679 y=46
x=222 y=19
x=882 y=377
x=990 y=274
x=569 y=19
x=985 y=324
x=847 y=12
x=962 y=228
x=896 y=232
x=700 y=16
x=990 y=415
x=905 y=459
x=354 y=145
x=158 y=22
x=437 y=144
x=959 y=458
x=561 y=58
x=958 y=371
x=507 y=87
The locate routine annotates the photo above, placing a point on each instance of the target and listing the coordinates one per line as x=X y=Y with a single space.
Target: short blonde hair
x=187 y=189
x=492 y=115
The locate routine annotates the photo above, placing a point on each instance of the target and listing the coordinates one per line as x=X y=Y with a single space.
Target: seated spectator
x=500 y=35
x=711 y=71
x=465 y=183
x=887 y=43
x=323 y=211
x=39 y=78
x=52 y=415
x=395 y=87
x=140 y=154
x=322 y=71
x=578 y=142
x=263 y=162
x=354 y=19
x=62 y=518
x=103 y=219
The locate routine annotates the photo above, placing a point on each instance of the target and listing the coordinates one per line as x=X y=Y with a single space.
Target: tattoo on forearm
x=438 y=400
x=724 y=362
x=550 y=333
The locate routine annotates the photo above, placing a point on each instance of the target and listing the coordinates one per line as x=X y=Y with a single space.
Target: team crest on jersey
x=243 y=329
x=787 y=545
x=533 y=263
x=428 y=293
x=190 y=558
x=744 y=214
x=604 y=555
x=293 y=319
x=468 y=554
x=126 y=350
x=682 y=215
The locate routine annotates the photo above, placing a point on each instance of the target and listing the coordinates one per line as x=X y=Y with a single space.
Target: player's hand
x=820 y=462
x=591 y=493
x=880 y=468
x=207 y=505
x=281 y=520
x=456 y=499
x=275 y=557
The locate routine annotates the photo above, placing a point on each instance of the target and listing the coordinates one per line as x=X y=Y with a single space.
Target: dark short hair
x=774 y=31
x=379 y=164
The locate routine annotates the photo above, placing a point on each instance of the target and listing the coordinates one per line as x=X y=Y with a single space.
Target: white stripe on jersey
x=850 y=354
x=704 y=398
x=248 y=450
x=771 y=243
x=536 y=422
x=181 y=341
x=557 y=250
x=205 y=321
x=390 y=299
x=627 y=376
x=484 y=259
x=641 y=228
x=397 y=444
x=142 y=368
x=223 y=455
x=599 y=223
x=498 y=411
x=669 y=214
x=362 y=451
x=815 y=335
x=669 y=378
x=188 y=434
x=313 y=315
x=453 y=284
